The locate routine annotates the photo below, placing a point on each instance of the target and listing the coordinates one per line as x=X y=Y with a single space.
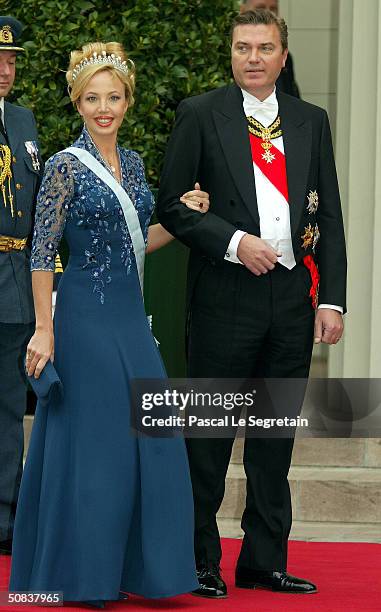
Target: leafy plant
x=180 y=47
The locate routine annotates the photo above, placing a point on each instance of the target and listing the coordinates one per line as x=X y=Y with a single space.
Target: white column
x=358 y=154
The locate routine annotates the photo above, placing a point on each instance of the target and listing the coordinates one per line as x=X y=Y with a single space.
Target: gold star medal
x=308 y=236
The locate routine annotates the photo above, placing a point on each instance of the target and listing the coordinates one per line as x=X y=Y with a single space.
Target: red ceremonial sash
x=272 y=162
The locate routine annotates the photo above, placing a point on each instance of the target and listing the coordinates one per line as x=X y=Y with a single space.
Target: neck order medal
x=266 y=135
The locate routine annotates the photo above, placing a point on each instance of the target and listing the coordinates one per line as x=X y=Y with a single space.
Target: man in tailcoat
x=20 y=175
x=255 y=303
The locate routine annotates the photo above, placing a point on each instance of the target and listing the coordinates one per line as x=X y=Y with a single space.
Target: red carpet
x=348 y=576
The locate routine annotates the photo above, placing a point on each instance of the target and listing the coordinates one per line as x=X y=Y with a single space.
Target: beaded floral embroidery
x=72 y=199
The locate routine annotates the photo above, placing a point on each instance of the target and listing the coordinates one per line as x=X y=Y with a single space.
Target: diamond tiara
x=96 y=60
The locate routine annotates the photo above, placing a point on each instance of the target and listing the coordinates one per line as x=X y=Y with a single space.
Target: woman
x=100 y=511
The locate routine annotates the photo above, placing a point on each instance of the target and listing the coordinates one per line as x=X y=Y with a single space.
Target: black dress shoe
x=211 y=583
x=275 y=581
x=6 y=547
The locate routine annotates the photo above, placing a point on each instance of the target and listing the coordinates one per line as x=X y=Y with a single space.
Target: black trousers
x=13 y=341
x=243 y=326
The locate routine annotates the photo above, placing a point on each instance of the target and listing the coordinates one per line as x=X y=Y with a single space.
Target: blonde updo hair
x=77 y=86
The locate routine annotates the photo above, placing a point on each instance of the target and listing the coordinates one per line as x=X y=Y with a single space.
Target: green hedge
x=180 y=47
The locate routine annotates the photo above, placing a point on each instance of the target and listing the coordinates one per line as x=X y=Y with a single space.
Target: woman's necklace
x=110 y=167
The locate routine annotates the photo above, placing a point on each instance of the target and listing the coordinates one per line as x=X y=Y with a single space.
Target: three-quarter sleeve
x=53 y=202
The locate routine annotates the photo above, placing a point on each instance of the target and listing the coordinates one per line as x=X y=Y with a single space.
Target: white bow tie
x=267 y=105
x=264 y=112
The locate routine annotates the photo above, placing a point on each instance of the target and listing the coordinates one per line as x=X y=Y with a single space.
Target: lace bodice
x=74 y=202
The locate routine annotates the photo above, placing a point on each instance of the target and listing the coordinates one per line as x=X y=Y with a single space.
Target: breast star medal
x=316 y=238
x=266 y=135
x=313 y=202
x=308 y=236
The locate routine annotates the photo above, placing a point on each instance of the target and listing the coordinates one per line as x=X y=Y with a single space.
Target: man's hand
x=329 y=326
x=256 y=254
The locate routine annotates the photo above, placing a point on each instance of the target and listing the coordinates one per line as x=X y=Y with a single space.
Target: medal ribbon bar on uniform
x=268 y=158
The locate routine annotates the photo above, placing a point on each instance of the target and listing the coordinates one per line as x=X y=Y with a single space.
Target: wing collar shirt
x=273 y=208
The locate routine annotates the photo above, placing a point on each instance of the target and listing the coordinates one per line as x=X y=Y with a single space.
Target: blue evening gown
x=100 y=511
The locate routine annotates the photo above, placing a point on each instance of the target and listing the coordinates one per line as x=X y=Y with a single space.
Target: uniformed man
x=20 y=175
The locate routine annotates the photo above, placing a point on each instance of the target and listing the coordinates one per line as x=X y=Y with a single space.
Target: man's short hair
x=262 y=17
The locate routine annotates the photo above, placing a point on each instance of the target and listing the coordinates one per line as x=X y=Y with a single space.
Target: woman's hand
x=196 y=199
x=158 y=236
x=40 y=349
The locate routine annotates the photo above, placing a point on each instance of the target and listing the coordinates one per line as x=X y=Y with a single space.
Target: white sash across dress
x=129 y=211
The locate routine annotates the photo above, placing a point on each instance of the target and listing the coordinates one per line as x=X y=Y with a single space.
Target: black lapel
x=231 y=126
x=297 y=139
x=12 y=125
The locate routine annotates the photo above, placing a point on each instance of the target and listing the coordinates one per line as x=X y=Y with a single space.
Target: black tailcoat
x=210 y=144
x=241 y=325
